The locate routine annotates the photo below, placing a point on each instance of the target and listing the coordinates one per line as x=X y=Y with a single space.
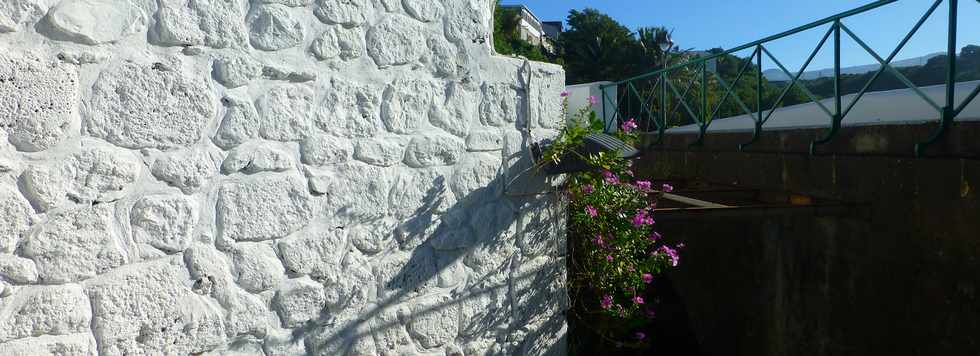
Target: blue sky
x=703 y=24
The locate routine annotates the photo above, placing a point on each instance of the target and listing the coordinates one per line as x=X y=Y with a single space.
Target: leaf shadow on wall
x=490 y=276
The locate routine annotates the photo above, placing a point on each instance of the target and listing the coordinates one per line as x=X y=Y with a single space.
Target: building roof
x=523 y=8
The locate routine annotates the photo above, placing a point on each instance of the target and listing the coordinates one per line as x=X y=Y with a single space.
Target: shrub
x=615 y=249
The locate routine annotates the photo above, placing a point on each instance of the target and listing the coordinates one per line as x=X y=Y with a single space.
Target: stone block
x=263 y=207
x=433 y=150
x=298 y=301
x=17 y=219
x=274 y=27
x=349 y=109
x=149 y=106
x=286 y=113
x=256 y=266
x=165 y=222
x=188 y=169
x=38 y=99
x=383 y=152
x=45 y=310
x=75 y=245
x=212 y=23
x=339 y=42
x=16 y=14
x=344 y=12
x=321 y=150
x=96 y=21
x=395 y=40
x=149 y=308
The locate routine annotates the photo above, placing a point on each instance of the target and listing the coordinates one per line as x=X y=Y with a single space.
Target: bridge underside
x=861 y=249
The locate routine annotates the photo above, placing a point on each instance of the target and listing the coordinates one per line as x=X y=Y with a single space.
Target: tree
x=650 y=39
x=598 y=48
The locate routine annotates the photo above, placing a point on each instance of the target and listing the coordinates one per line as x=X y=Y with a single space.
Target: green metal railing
x=695 y=72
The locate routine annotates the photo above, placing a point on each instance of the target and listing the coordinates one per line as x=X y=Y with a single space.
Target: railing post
x=949 y=110
x=757 y=127
x=629 y=103
x=837 y=100
x=703 y=125
x=603 y=90
x=663 y=103
x=758 y=81
x=951 y=59
x=835 y=123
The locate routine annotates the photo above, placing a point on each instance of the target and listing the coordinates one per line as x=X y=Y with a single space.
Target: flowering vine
x=616 y=249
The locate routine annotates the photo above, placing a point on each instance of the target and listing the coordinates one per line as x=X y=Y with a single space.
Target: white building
x=533 y=30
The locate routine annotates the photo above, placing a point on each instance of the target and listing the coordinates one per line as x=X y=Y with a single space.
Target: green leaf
x=595 y=125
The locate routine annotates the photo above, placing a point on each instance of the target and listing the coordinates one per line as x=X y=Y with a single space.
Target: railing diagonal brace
x=969 y=98
x=891 y=57
x=683 y=96
x=729 y=90
x=656 y=84
x=888 y=66
x=796 y=79
x=643 y=105
x=683 y=102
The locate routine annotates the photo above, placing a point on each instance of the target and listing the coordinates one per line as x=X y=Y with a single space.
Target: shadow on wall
x=487 y=268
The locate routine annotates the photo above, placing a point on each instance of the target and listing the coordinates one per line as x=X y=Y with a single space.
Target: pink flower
x=638 y=300
x=667 y=188
x=654 y=236
x=641 y=218
x=671 y=253
x=588 y=189
x=638 y=219
x=643 y=184
x=593 y=100
x=680 y=245
x=647 y=278
x=609 y=258
x=629 y=125
x=598 y=241
x=591 y=211
x=606 y=302
x=564 y=94
x=610 y=177
x=640 y=335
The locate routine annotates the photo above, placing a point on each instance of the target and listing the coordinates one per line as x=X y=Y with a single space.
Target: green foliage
x=573 y=134
x=728 y=67
x=687 y=81
x=932 y=73
x=597 y=47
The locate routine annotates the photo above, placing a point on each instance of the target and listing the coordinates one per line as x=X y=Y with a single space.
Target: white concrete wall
x=578 y=97
x=272 y=177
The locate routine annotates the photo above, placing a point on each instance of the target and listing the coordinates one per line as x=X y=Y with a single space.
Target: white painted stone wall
x=272 y=177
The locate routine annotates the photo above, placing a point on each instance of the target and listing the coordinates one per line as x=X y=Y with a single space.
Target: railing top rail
x=824 y=21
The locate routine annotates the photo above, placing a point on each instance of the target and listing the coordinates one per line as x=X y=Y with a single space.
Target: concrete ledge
x=878 y=140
